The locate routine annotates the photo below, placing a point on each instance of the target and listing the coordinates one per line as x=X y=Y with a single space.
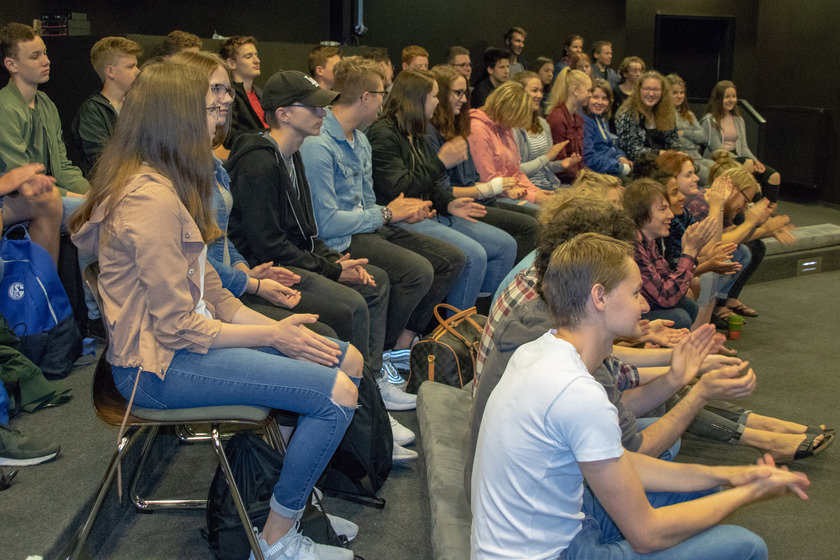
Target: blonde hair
x=741 y=179
x=565 y=81
x=723 y=161
x=683 y=110
x=108 y=50
x=354 y=76
x=662 y=115
x=509 y=106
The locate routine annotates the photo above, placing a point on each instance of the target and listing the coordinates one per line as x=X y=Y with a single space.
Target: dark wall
x=291 y=21
x=438 y=24
x=797 y=67
x=641 y=27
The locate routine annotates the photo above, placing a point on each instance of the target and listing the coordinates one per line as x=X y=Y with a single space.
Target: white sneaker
x=294 y=546
x=402 y=455
x=344 y=527
x=394 y=398
x=402 y=435
x=340 y=525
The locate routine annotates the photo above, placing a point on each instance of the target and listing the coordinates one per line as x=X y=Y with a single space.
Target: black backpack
x=363 y=460
x=256 y=467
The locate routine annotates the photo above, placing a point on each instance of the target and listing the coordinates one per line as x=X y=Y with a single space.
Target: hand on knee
x=344 y=391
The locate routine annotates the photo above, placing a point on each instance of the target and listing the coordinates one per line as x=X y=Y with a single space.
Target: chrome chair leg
x=234 y=492
x=123 y=447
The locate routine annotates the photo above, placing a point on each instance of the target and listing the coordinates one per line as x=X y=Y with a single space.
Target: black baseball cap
x=289 y=87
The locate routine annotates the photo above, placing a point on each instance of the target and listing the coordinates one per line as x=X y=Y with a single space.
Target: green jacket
x=21 y=143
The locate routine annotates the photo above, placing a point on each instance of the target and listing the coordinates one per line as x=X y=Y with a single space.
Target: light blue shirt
x=340 y=178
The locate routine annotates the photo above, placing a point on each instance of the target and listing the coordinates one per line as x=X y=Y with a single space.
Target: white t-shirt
x=545 y=415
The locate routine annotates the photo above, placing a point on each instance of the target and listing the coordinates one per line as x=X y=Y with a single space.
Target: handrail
x=751 y=110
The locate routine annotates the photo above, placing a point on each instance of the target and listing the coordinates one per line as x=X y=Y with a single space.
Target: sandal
x=820 y=430
x=808 y=449
x=743 y=310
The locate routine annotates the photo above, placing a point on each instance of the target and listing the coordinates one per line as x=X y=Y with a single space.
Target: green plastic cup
x=736 y=323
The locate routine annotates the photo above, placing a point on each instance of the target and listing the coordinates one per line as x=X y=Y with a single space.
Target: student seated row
x=272 y=220
x=549 y=420
x=177 y=338
x=653 y=403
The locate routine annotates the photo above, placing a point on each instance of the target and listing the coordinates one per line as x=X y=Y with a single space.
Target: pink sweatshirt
x=495 y=153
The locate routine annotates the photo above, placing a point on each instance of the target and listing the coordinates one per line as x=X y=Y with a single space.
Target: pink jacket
x=150 y=276
x=495 y=153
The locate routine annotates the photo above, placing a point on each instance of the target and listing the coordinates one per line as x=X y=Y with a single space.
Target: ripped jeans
x=257 y=377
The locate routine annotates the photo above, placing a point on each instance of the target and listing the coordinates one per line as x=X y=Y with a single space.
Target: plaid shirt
x=662 y=286
x=522 y=289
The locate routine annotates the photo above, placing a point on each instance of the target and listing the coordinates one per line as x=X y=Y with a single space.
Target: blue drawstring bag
x=36 y=306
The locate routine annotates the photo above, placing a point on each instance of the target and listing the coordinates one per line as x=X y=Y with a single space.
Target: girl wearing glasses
x=646 y=122
x=177 y=338
x=265 y=288
x=405 y=162
x=451 y=119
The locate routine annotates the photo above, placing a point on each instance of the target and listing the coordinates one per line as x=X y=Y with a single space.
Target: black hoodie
x=270 y=220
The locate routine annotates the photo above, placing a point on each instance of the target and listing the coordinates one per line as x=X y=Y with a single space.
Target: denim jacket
x=341 y=181
x=232 y=279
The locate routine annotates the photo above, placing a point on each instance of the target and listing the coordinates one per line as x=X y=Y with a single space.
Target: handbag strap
x=446 y=323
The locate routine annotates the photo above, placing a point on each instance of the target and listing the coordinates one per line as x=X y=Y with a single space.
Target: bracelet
x=258 y=287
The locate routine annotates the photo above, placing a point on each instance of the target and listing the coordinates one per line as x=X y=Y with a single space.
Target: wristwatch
x=387 y=215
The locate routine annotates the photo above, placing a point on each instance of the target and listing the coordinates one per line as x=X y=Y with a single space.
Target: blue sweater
x=600 y=153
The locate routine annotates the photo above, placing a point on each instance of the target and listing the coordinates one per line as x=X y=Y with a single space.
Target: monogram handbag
x=448 y=354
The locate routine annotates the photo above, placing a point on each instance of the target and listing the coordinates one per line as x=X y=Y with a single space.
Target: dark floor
x=789 y=346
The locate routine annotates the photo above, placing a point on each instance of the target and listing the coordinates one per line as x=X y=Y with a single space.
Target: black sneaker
x=18 y=450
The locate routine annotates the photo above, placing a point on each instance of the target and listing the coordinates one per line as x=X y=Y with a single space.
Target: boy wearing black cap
x=272 y=218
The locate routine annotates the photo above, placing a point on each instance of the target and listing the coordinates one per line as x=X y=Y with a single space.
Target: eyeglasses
x=459 y=93
x=745 y=197
x=652 y=90
x=219 y=90
x=379 y=92
x=464 y=65
x=215 y=111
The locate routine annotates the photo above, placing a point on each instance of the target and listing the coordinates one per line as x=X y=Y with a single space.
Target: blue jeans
x=257 y=377
x=600 y=539
x=682 y=314
x=741 y=255
x=489 y=254
x=669 y=454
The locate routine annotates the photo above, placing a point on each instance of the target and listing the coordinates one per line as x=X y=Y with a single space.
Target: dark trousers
x=522 y=226
x=446 y=260
x=356 y=312
x=278 y=313
x=410 y=276
x=757 y=251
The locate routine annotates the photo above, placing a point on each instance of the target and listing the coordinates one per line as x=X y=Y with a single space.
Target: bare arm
x=620 y=486
x=643 y=357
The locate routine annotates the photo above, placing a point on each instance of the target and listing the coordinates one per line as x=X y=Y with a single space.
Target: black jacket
x=482 y=91
x=269 y=221
x=92 y=128
x=404 y=166
x=243 y=118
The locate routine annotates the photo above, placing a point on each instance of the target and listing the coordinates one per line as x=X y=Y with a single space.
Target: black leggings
x=768 y=191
